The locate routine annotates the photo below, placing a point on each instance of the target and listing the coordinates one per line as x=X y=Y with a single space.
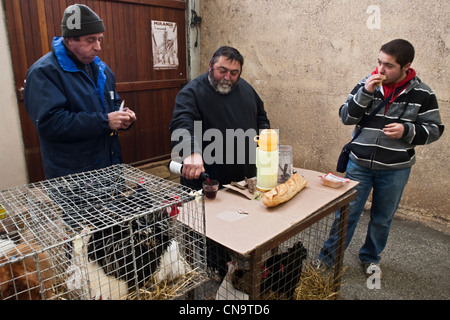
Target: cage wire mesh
x=114 y=233
x=288 y=271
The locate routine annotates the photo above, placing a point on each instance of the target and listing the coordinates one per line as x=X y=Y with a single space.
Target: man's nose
x=97 y=45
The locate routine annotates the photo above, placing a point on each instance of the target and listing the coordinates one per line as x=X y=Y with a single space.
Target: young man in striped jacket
x=382 y=154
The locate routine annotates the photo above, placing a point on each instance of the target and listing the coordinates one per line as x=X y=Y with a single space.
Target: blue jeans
x=388 y=186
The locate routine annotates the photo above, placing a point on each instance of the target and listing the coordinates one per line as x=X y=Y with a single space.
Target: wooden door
x=148 y=85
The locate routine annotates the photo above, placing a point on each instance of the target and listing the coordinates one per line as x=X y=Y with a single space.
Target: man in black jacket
x=215 y=119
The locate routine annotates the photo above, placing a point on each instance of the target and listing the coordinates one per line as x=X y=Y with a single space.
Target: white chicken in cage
x=108 y=263
x=88 y=277
x=227 y=291
x=5 y=246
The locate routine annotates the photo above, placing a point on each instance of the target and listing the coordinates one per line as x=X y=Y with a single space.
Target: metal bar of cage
x=329 y=210
x=311 y=233
x=342 y=233
x=54 y=212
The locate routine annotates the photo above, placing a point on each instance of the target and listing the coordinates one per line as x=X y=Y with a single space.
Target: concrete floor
x=415 y=264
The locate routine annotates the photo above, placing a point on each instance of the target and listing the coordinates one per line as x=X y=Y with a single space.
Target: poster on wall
x=165 y=45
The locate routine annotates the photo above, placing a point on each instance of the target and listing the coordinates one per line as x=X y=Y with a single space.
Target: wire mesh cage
x=114 y=233
x=287 y=270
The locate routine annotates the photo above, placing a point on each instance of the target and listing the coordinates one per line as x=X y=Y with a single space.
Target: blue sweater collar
x=69 y=65
x=64 y=61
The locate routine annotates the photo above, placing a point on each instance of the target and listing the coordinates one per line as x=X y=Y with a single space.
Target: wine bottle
x=177 y=168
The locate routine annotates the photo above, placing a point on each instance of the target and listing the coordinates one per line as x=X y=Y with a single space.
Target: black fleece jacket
x=239 y=113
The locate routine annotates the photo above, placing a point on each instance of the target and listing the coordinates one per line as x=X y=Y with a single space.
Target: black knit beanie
x=80 y=20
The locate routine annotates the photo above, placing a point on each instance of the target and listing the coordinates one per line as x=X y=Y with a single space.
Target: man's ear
x=68 y=41
x=406 y=66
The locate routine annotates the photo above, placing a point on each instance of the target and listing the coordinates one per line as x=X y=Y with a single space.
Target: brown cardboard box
x=243 y=232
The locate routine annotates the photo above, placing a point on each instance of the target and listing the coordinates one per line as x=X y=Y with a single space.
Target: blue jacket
x=70 y=113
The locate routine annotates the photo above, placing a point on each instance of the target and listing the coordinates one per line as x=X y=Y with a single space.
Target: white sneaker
x=370 y=268
x=319 y=265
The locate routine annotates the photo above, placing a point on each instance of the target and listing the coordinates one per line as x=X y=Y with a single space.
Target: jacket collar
x=69 y=65
x=64 y=61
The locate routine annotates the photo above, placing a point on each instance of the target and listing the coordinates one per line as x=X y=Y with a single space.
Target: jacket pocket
x=74 y=162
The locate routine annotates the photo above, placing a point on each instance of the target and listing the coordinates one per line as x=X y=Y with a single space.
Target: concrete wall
x=12 y=160
x=304 y=57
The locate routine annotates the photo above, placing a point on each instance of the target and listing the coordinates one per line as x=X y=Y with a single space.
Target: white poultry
x=5 y=246
x=226 y=290
x=88 y=277
x=172 y=264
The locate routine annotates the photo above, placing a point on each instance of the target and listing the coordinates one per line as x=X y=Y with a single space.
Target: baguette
x=285 y=191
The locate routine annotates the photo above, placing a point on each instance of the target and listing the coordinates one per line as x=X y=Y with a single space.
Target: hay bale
x=317 y=284
x=166 y=290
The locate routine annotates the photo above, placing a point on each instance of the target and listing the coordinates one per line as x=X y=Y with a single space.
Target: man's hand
x=132 y=118
x=121 y=119
x=373 y=82
x=394 y=130
x=193 y=166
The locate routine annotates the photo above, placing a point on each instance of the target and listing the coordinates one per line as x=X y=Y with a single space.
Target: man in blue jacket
x=71 y=98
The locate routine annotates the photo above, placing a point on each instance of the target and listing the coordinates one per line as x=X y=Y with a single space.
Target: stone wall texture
x=303 y=57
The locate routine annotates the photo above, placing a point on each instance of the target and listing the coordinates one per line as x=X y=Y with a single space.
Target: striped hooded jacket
x=416 y=107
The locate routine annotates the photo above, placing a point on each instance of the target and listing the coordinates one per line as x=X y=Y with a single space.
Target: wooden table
x=263 y=229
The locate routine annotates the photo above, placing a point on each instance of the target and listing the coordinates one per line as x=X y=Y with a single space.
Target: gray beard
x=222 y=87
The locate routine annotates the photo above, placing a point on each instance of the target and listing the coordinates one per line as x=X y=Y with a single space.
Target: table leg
x=341 y=246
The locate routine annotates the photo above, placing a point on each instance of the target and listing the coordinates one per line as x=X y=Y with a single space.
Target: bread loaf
x=381 y=81
x=285 y=191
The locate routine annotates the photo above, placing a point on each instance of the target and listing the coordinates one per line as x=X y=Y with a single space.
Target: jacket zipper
x=372 y=158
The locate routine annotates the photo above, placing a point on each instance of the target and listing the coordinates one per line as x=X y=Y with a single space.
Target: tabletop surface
x=242 y=233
